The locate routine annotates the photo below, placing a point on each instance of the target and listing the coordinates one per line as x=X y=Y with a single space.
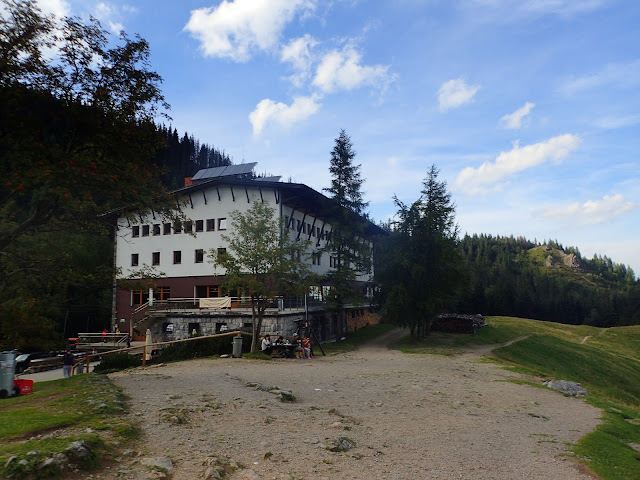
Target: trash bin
x=237 y=347
x=7 y=372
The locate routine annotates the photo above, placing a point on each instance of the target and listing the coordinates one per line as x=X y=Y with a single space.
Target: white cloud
x=455 y=93
x=298 y=53
x=611 y=123
x=235 y=29
x=59 y=8
x=621 y=75
x=591 y=212
x=513 y=120
x=268 y=111
x=475 y=180
x=341 y=70
x=519 y=8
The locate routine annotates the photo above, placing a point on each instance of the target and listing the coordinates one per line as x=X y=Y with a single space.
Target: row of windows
x=177 y=257
x=198 y=257
x=187 y=227
x=306 y=228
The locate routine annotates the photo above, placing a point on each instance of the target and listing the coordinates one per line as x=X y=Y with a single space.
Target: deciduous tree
x=77 y=138
x=261 y=261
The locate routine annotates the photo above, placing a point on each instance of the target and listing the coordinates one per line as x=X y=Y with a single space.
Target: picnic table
x=283 y=350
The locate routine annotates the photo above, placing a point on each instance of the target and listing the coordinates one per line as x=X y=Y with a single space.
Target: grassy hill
x=605 y=361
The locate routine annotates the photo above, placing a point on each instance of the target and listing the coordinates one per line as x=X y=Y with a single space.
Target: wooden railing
x=145 y=349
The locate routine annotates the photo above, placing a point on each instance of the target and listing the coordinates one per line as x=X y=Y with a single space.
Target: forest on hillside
x=517 y=277
x=182 y=157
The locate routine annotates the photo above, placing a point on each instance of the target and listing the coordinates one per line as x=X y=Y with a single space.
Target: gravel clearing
x=371 y=414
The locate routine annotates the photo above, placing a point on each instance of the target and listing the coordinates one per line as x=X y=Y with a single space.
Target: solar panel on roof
x=229 y=170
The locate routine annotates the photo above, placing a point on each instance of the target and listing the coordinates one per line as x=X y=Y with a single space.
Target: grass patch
x=357 y=338
x=55 y=415
x=256 y=356
x=205 y=347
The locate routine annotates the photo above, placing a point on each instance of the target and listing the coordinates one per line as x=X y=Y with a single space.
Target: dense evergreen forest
x=183 y=156
x=523 y=278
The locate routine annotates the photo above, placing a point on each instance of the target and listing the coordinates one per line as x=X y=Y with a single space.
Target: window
x=145 y=230
x=194 y=329
x=221 y=327
x=211 y=224
x=222 y=251
x=309 y=231
x=199 y=255
x=156 y=229
x=167 y=328
x=177 y=257
x=315 y=258
x=286 y=221
x=139 y=297
x=177 y=228
x=199 y=225
x=188 y=226
x=298 y=227
x=155 y=258
x=222 y=224
x=162 y=293
x=166 y=229
x=135 y=258
x=207 y=291
x=135 y=231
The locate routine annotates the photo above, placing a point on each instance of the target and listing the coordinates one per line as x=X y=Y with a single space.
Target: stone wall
x=326 y=325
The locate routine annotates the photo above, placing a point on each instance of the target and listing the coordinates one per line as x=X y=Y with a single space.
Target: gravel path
x=396 y=416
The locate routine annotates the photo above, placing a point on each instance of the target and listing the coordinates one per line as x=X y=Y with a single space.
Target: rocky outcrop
x=568 y=388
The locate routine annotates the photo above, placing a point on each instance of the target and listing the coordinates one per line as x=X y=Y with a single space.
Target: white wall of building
x=220 y=202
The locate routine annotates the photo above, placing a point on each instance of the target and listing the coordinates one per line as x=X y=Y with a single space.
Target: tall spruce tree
x=349 y=250
x=423 y=266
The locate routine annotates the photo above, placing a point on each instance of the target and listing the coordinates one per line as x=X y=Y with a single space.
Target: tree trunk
x=255 y=328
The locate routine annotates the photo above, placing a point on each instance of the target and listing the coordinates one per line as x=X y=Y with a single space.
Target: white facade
x=179 y=254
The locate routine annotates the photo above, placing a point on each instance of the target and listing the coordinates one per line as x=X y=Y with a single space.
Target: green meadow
x=86 y=408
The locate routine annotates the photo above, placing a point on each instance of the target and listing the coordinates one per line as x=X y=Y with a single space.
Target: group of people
x=302 y=346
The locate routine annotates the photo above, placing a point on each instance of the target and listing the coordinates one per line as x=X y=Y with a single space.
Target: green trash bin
x=7 y=373
x=237 y=347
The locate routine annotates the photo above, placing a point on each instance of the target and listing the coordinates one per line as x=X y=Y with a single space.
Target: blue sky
x=530 y=109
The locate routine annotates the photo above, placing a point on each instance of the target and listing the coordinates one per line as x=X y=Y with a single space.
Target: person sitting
x=299 y=350
x=306 y=346
x=280 y=340
x=266 y=345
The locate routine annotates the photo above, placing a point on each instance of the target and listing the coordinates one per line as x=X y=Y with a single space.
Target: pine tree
x=426 y=267
x=350 y=250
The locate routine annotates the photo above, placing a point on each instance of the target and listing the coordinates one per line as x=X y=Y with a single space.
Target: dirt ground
x=389 y=415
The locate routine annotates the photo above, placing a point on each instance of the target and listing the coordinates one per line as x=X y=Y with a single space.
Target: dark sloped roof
x=296 y=195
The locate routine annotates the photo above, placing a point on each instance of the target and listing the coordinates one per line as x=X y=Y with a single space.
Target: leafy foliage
x=77 y=138
x=260 y=261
